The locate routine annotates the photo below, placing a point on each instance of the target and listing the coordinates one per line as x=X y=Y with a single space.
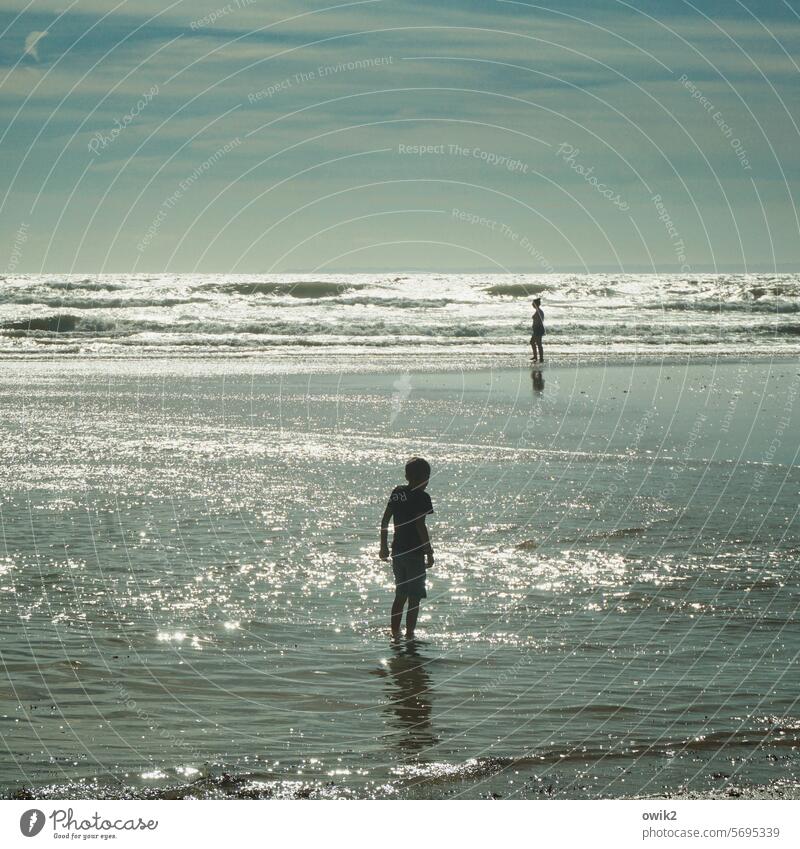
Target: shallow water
x=189 y=587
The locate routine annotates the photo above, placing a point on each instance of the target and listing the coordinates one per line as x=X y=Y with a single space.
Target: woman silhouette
x=537 y=331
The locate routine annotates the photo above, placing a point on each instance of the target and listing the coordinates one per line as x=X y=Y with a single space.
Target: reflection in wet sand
x=410 y=689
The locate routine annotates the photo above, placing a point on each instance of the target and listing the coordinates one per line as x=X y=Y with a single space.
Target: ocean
x=193 y=472
x=456 y=318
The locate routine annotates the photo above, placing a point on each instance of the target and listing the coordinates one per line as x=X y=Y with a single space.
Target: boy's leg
x=541 y=350
x=397 y=612
x=411 y=616
x=533 y=348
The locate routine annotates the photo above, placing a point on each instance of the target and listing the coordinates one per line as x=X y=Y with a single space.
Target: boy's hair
x=417 y=470
x=537 y=301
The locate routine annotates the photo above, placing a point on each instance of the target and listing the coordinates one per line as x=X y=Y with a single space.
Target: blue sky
x=458 y=136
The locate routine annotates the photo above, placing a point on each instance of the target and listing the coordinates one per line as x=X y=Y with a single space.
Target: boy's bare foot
x=409 y=635
x=395 y=635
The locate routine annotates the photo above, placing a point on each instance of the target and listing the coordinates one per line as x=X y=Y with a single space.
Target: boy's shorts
x=409 y=574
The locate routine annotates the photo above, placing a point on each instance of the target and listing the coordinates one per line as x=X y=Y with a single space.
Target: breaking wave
x=583 y=313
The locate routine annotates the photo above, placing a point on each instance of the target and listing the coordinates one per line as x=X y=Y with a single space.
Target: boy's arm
x=422 y=530
x=387 y=515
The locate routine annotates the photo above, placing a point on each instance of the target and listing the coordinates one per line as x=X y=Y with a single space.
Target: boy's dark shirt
x=406 y=506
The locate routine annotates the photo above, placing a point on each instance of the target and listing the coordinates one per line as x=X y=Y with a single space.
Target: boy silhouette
x=411 y=552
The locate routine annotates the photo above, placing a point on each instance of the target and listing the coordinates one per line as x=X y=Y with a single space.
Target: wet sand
x=192 y=605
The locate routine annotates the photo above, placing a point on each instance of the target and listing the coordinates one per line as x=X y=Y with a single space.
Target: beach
x=192 y=604
x=400 y=402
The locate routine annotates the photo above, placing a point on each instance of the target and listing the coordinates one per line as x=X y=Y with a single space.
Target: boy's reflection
x=409 y=695
x=538 y=380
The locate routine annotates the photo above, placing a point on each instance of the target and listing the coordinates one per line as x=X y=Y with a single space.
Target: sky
x=383 y=135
